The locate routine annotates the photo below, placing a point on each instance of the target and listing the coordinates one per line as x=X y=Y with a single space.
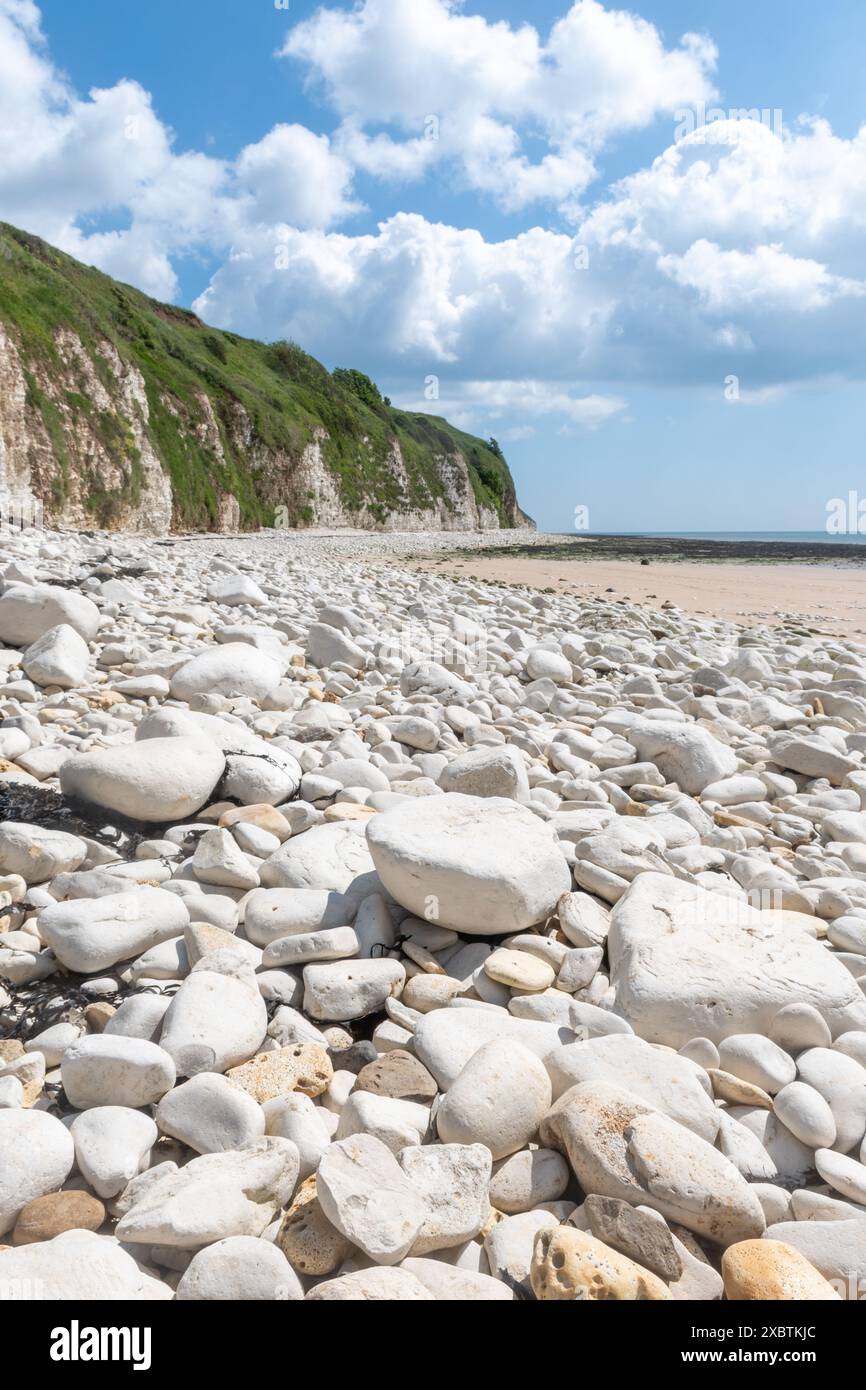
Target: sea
x=804 y=537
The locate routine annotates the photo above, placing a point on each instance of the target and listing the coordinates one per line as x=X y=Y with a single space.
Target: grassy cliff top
x=290 y=397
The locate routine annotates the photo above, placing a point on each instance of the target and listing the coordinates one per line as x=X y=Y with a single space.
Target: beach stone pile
x=372 y=935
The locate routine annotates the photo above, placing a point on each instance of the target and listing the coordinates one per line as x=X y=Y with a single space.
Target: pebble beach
x=372 y=930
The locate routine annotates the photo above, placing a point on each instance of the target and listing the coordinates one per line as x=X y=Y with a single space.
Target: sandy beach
x=830 y=598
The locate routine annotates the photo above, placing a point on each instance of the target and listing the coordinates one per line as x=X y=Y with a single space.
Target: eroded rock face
x=136 y=491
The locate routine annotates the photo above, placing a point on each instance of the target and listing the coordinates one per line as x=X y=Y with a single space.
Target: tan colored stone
x=349 y=810
x=771 y=1270
x=428 y=992
x=97 y=1015
x=304 y=1067
x=735 y=1091
x=397 y=1074
x=10 y=1049
x=201 y=938
x=306 y=1237
x=30 y=1071
x=568 y=1264
x=265 y=817
x=215 y=811
x=519 y=970
x=105 y=699
x=47 y=1217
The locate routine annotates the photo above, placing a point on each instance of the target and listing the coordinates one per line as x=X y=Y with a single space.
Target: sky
x=629 y=243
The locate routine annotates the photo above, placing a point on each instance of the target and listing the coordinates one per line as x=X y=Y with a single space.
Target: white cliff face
x=316 y=489
x=16 y=438
x=64 y=468
x=78 y=442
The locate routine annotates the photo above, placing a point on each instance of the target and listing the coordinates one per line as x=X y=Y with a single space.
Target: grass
x=290 y=398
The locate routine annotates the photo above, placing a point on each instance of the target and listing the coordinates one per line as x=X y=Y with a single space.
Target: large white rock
x=59 y=657
x=272 y=913
x=663 y=1079
x=36 y=853
x=684 y=753
x=76 y=1266
x=112 y=1145
x=239 y=1269
x=28 y=610
x=215 y=1021
x=233 y=669
x=89 y=935
x=842 y=1082
x=158 y=780
x=836 y=1248
x=364 y=1192
x=488 y=772
x=214 y=1196
x=342 y=990
x=256 y=772
x=688 y=963
x=446 y=1038
x=484 y=866
x=325 y=645
x=499 y=1099
x=210 y=1114
x=330 y=857
x=379 y=1284
x=453 y=1180
x=109 y=1069
x=451 y=1284
x=618 y=1146
x=36 y=1157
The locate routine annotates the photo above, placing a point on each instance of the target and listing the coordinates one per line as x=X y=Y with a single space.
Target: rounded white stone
x=484 y=866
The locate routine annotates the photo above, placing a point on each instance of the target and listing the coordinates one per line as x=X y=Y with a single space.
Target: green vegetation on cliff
x=290 y=400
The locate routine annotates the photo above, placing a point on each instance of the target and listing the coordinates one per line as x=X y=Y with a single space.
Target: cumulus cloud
x=401 y=75
x=740 y=254
x=418 y=295
x=767 y=277
x=481 y=405
x=68 y=162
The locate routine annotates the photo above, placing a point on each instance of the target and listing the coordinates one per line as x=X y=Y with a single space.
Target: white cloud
x=294 y=176
x=388 y=67
x=742 y=255
x=481 y=404
x=765 y=278
x=750 y=185
x=417 y=295
x=68 y=162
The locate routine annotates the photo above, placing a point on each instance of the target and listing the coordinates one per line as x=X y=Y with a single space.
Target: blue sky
x=700 y=368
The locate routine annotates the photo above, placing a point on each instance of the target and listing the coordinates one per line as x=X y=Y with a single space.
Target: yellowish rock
x=349 y=810
x=304 y=1067
x=572 y=1265
x=735 y=1091
x=771 y=1270
x=428 y=992
x=519 y=970
x=97 y=1015
x=265 y=817
x=309 y=1242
